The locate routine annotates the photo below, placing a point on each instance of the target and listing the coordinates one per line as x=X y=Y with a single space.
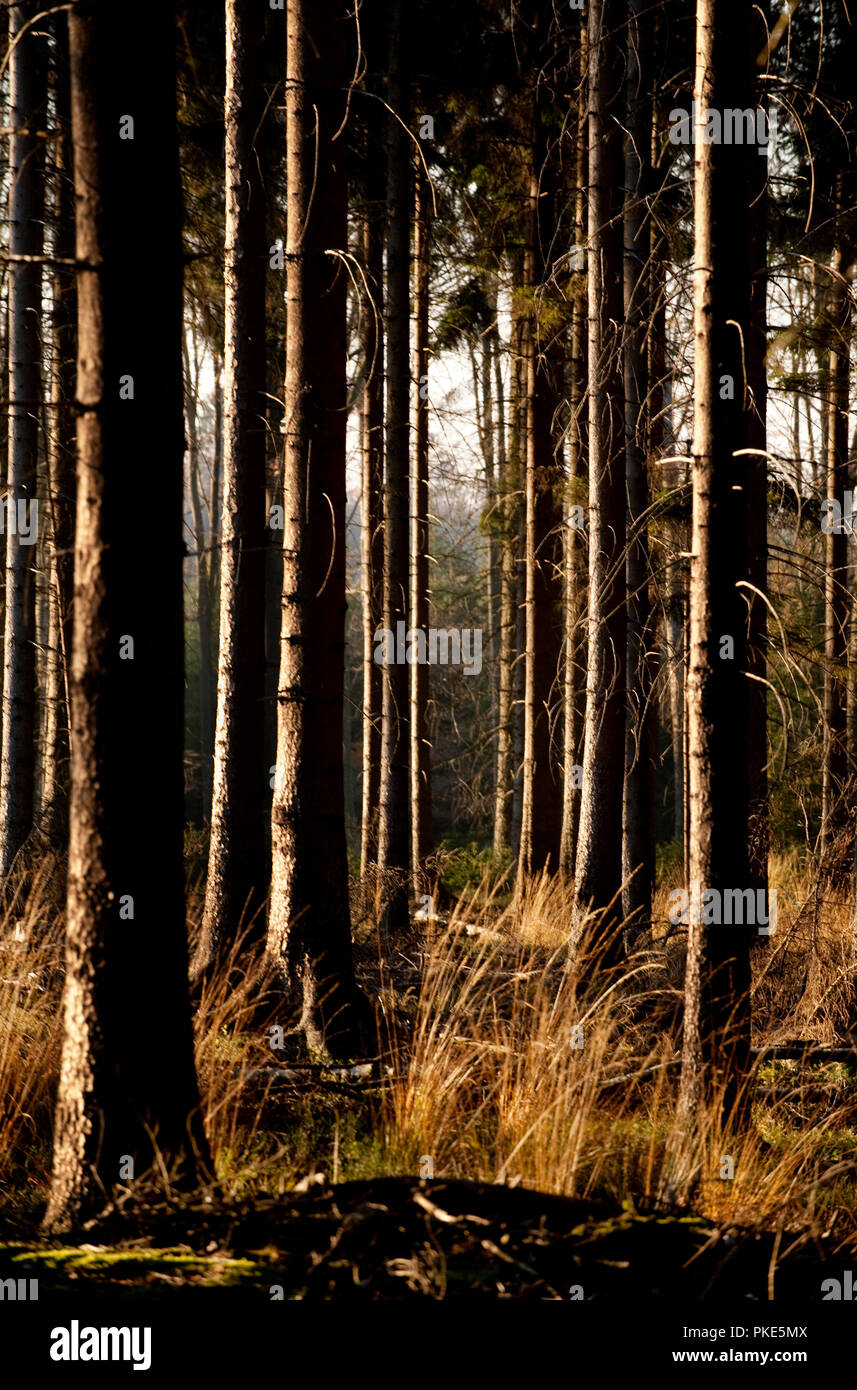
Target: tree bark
x=757 y=503
x=237 y=859
x=836 y=859
x=598 y=876
x=509 y=510
x=541 y=804
x=372 y=481
x=309 y=925
x=27 y=111
x=422 y=840
x=574 y=689
x=60 y=459
x=127 y=1090
x=393 y=839
x=716 y=1041
x=638 y=864
x=206 y=686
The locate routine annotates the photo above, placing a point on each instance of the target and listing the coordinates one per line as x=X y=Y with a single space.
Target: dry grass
x=508 y=1063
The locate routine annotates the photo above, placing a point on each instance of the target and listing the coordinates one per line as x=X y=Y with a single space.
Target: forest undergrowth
x=501 y=1061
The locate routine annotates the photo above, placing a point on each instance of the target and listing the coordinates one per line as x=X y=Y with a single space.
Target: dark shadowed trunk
x=127 y=1105
x=575 y=532
x=757 y=502
x=27 y=112
x=837 y=600
x=309 y=923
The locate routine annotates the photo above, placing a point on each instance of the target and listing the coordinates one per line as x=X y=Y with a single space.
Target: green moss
x=56 y=1265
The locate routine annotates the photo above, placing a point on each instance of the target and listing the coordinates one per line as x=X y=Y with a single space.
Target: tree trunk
x=638 y=865
x=508 y=509
x=127 y=1090
x=541 y=804
x=574 y=689
x=203 y=591
x=757 y=504
x=27 y=112
x=835 y=813
x=237 y=858
x=598 y=876
x=523 y=348
x=310 y=924
x=717 y=984
x=372 y=481
x=393 y=840
x=60 y=460
x=422 y=841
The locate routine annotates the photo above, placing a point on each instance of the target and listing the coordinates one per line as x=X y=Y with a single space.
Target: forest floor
x=393 y=1238
x=514 y=1137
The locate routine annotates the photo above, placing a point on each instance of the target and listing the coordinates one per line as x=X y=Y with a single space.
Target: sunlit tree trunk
x=206 y=685
x=422 y=842
x=541 y=794
x=393 y=837
x=598 y=876
x=372 y=480
x=638 y=867
x=60 y=457
x=237 y=859
x=717 y=984
x=509 y=511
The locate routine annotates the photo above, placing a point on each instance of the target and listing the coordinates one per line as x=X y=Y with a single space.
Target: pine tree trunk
x=757 y=507
x=523 y=348
x=835 y=812
x=60 y=460
x=237 y=859
x=203 y=593
x=574 y=688
x=393 y=838
x=309 y=923
x=638 y=868
x=127 y=1090
x=372 y=481
x=717 y=984
x=27 y=112
x=508 y=510
x=215 y=497
x=598 y=873
x=541 y=800
x=422 y=841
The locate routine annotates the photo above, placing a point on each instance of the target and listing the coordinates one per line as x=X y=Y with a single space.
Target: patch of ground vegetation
x=396 y=1238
